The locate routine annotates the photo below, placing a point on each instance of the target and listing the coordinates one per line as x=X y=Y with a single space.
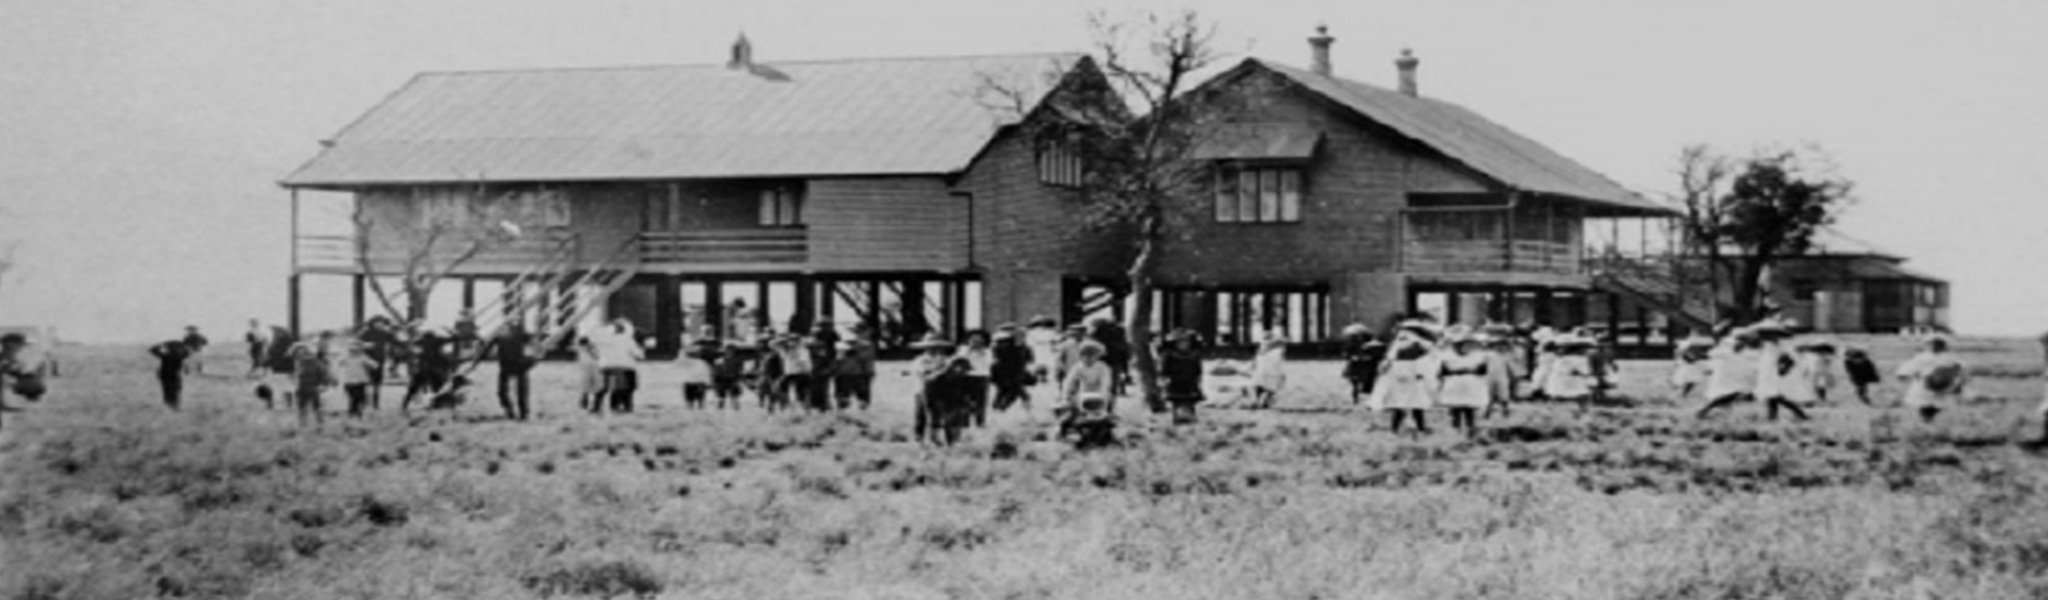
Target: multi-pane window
x=1059 y=165
x=1258 y=195
x=782 y=206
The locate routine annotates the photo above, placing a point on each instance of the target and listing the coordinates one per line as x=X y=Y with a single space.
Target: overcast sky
x=140 y=142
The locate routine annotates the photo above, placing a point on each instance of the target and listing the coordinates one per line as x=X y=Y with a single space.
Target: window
x=1059 y=165
x=1448 y=226
x=1258 y=195
x=782 y=206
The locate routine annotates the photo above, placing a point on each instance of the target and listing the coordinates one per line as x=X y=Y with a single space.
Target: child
x=1571 y=377
x=853 y=376
x=591 y=397
x=1689 y=364
x=933 y=401
x=170 y=369
x=950 y=398
x=1180 y=365
x=352 y=371
x=1360 y=366
x=454 y=396
x=726 y=374
x=695 y=366
x=1011 y=371
x=1497 y=344
x=1042 y=337
x=1463 y=382
x=1817 y=360
x=1934 y=379
x=768 y=374
x=1862 y=373
x=1731 y=371
x=1088 y=397
x=981 y=361
x=1776 y=375
x=310 y=374
x=1269 y=372
x=1405 y=385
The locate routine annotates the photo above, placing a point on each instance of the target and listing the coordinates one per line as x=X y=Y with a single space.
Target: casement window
x=782 y=206
x=1258 y=194
x=1059 y=165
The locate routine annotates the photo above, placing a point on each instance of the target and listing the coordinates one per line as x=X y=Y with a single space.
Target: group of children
x=819 y=372
x=1765 y=362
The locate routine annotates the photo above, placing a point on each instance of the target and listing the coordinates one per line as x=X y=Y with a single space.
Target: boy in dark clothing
x=1116 y=352
x=949 y=398
x=1181 y=366
x=309 y=376
x=170 y=369
x=195 y=343
x=1011 y=371
x=431 y=368
x=853 y=375
x=823 y=346
x=726 y=374
x=514 y=349
x=1862 y=373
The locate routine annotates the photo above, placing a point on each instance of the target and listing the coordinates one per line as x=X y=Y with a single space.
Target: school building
x=902 y=193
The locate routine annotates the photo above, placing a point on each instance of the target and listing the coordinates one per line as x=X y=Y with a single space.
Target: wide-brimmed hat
x=932 y=341
x=1357 y=330
x=1422 y=329
x=1092 y=348
x=1181 y=334
x=1042 y=321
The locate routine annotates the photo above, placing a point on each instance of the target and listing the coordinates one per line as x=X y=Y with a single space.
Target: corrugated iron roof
x=839 y=117
x=1287 y=141
x=1473 y=140
x=1880 y=267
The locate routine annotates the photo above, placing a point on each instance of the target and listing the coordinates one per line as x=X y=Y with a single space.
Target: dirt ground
x=108 y=495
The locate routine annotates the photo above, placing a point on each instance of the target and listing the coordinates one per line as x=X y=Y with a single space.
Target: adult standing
x=170 y=369
x=516 y=357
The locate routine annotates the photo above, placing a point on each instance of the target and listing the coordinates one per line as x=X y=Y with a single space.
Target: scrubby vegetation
x=106 y=496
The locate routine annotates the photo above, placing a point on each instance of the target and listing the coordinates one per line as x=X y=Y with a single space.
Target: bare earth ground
x=107 y=495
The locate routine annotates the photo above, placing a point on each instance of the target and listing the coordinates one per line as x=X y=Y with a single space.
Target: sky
x=141 y=141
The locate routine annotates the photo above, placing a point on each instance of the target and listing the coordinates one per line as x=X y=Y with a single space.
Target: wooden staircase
x=1657 y=287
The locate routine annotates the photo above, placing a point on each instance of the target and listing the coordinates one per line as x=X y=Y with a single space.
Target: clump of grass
x=605 y=579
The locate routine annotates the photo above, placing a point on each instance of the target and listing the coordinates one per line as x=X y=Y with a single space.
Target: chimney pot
x=1407 y=63
x=1319 y=47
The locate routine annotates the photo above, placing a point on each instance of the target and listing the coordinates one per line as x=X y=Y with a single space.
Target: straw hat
x=1425 y=330
x=1356 y=330
x=932 y=341
x=1042 y=321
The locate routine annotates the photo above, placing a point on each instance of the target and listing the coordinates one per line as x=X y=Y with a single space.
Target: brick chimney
x=1319 y=48
x=742 y=54
x=1407 y=63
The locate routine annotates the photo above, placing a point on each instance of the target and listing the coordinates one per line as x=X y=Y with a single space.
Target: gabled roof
x=1472 y=140
x=840 y=117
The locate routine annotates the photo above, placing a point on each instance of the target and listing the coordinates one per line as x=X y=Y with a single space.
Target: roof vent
x=742 y=54
x=1407 y=63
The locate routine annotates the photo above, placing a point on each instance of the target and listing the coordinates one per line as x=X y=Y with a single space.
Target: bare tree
x=1138 y=147
x=481 y=224
x=1703 y=178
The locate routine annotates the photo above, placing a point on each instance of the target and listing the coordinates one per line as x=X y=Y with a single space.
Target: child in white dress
x=1464 y=384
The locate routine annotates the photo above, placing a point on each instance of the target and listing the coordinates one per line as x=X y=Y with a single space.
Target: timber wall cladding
x=1354 y=190
x=1023 y=224
x=885 y=224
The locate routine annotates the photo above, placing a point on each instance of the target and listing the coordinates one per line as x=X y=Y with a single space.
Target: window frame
x=781 y=206
x=1058 y=165
x=1258 y=193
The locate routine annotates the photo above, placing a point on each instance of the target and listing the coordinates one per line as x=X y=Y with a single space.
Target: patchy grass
x=107 y=496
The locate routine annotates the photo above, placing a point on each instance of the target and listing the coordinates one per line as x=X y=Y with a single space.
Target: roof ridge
x=722 y=66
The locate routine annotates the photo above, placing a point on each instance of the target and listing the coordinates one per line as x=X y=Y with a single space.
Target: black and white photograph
x=1006 y=300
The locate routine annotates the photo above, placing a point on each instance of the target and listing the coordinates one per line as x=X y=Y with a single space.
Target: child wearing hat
x=1090 y=387
x=1862 y=373
x=728 y=372
x=1777 y=372
x=1497 y=344
x=1731 y=371
x=352 y=371
x=981 y=360
x=1362 y=356
x=1042 y=336
x=1405 y=384
x=853 y=376
x=1180 y=367
x=1010 y=373
x=311 y=375
x=1689 y=364
x=1934 y=379
x=1462 y=382
x=1570 y=377
x=934 y=398
x=1269 y=369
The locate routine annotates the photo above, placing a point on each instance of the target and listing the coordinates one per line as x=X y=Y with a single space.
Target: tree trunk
x=1749 y=286
x=1144 y=364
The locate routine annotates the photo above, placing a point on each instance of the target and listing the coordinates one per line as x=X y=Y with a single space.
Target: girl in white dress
x=1689 y=364
x=1731 y=371
x=1570 y=375
x=1269 y=370
x=1407 y=380
x=1934 y=379
x=1464 y=385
